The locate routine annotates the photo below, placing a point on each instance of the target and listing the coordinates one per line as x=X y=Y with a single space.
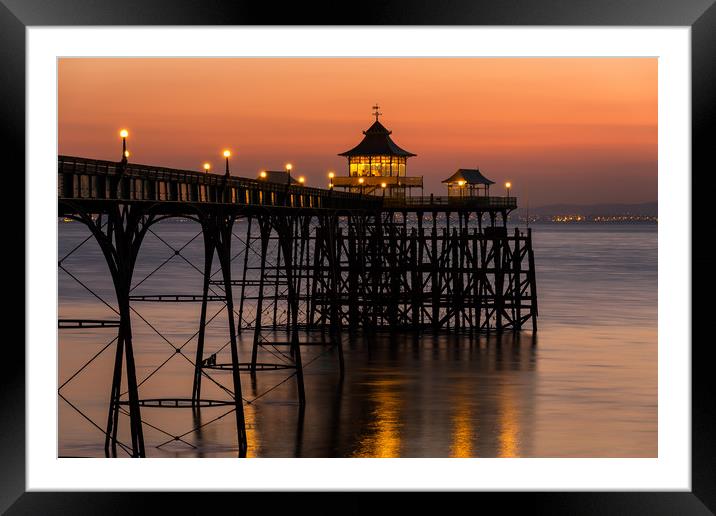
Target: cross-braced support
x=119 y=231
x=287 y=271
x=217 y=229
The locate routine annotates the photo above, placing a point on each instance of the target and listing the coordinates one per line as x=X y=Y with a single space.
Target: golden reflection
x=509 y=427
x=252 y=436
x=383 y=439
x=463 y=433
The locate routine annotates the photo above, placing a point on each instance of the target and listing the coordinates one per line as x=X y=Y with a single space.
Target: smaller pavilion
x=276 y=176
x=468 y=183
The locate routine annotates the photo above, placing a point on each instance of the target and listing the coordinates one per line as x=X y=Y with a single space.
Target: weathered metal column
x=247 y=249
x=223 y=233
x=265 y=233
x=284 y=226
x=533 y=282
x=329 y=227
x=209 y=248
x=517 y=282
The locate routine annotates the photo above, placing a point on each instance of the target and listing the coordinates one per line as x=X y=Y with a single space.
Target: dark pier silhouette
x=327 y=261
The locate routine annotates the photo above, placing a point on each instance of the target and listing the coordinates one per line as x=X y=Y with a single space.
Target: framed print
x=421 y=248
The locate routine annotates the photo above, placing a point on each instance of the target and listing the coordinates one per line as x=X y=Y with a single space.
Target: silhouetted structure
x=327 y=260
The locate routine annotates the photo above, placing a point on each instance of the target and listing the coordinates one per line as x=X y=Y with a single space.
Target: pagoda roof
x=377 y=142
x=277 y=176
x=470 y=176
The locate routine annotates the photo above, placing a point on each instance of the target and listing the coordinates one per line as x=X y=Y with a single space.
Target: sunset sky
x=579 y=130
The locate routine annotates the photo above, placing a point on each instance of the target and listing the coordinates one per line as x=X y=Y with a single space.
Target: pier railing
x=101 y=180
x=83 y=178
x=468 y=202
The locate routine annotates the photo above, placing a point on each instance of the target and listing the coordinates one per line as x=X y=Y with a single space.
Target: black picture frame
x=700 y=15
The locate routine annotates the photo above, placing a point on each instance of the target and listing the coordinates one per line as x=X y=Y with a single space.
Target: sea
x=583 y=385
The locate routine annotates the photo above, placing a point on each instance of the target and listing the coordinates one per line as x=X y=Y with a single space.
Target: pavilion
x=468 y=183
x=276 y=176
x=377 y=165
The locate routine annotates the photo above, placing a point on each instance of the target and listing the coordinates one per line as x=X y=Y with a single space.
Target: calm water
x=586 y=386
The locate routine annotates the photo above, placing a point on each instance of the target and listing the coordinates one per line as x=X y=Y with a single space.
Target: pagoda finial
x=376 y=113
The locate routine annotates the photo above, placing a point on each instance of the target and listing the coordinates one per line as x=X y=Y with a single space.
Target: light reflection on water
x=585 y=388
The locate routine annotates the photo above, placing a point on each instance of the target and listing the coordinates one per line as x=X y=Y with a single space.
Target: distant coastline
x=642 y=213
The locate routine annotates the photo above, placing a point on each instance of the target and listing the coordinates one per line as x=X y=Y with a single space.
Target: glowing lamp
x=508 y=185
x=331 y=175
x=360 y=180
x=207 y=166
x=383 y=185
x=262 y=174
x=301 y=179
x=227 y=153
x=125 y=154
x=289 y=167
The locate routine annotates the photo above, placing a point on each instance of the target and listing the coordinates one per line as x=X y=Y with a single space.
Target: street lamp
x=227 y=155
x=123 y=134
x=262 y=174
x=508 y=185
x=383 y=186
x=360 y=181
x=207 y=167
x=289 y=167
x=331 y=175
x=301 y=180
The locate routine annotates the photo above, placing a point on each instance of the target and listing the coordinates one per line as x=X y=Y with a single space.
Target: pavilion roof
x=470 y=176
x=277 y=176
x=377 y=142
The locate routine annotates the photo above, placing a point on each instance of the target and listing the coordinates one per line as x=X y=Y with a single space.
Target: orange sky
x=580 y=130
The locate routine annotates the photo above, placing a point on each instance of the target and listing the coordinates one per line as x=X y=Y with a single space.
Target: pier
x=313 y=260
